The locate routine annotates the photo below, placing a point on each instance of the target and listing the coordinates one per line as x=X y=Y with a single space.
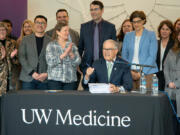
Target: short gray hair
x=115 y=43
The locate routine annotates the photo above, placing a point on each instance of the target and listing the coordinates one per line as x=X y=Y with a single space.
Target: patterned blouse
x=61 y=70
x=6 y=63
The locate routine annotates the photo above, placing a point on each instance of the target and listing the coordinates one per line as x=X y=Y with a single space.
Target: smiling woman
x=166 y=42
x=63 y=59
x=140 y=47
x=8 y=57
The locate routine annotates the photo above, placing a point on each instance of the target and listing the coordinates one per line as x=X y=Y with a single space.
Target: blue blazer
x=147 y=49
x=120 y=75
x=86 y=47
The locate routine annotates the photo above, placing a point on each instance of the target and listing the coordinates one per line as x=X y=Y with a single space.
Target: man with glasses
x=32 y=57
x=62 y=17
x=93 y=34
x=110 y=69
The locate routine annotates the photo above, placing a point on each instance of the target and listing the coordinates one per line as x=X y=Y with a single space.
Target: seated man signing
x=112 y=69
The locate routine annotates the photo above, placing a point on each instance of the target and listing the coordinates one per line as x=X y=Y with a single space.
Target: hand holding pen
x=89 y=72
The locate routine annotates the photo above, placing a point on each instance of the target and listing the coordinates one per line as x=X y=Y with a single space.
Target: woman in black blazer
x=166 y=42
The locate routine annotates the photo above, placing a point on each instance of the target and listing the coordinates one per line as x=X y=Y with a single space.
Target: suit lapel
x=142 y=41
x=34 y=47
x=91 y=33
x=158 y=54
x=102 y=32
x=132 y=43
x=45 y=42
x=168 y=47
x=104 y=68
x=113 y=72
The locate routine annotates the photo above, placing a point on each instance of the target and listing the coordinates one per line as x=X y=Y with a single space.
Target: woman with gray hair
x=63 y=59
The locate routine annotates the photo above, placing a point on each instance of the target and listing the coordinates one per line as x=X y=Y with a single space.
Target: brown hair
x=97 y=2
x=58 y=27
x=62 y=10
x=121 y=35
x=176 y=23
x=169 y=24
x=138 y=14
x=176 y=47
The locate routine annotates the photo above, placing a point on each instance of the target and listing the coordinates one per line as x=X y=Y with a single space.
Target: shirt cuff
x=86 y=81
x=31 y=73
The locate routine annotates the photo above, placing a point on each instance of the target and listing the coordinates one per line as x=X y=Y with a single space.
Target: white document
x=99 y=87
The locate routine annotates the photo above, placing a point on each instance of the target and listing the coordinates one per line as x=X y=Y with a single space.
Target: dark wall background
x=14 y=10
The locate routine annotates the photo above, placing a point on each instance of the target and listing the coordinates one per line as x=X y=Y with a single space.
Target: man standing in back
x=63 y=17
x=32 y=57
x=93 y=34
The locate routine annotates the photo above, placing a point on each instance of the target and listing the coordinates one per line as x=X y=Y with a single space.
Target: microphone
x=142 y=65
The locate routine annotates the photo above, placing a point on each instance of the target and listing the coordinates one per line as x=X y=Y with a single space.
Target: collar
x=112 y=62
x=100 y=23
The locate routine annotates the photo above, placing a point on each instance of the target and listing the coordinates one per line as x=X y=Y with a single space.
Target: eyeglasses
x=109 y=49
x=40 y=23
x=94 y=9
x=138 y=21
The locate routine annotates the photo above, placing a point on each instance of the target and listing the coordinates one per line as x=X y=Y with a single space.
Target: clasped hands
x=40 y=77
x=3 y=53
x=172 y=85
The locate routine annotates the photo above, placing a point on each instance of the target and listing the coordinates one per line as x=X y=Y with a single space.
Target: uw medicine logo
x=43 y=116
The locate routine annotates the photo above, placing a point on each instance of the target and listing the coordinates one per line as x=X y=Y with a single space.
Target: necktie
x=96 y=43
x=109 y=67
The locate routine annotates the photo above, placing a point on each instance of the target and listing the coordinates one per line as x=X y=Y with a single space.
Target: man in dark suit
x=63 y=17
x=32 y=52
x=93 y=34
x=112 y=69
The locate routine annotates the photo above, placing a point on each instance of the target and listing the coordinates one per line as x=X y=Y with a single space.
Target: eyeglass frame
x=40 y=23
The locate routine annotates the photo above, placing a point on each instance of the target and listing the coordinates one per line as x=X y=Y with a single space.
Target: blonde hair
x=22 y=29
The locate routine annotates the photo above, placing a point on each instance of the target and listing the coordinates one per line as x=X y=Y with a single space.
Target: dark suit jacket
x=74 y=35
x=86 y=47
x=29 y=59
x=168 y=47
x=120 y=75
x=160 y=74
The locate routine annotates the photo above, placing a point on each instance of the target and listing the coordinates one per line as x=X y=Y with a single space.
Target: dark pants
x=78 y=80
x=161 y=80
x=176 y=124
x=58 y=85
x=34 y=85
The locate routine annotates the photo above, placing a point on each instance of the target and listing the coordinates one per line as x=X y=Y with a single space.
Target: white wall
x=115 y=11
